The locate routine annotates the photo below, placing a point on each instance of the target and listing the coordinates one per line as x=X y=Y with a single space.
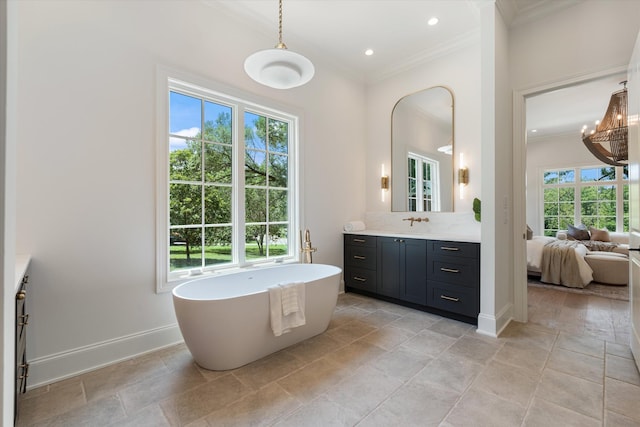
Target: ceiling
x=568 y=109
x=339 y=31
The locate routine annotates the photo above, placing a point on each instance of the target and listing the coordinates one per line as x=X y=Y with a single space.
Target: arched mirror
x=422 y=144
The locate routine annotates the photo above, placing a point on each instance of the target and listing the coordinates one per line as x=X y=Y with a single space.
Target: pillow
x=529 y=232
x=600 y=235
x=577 y=233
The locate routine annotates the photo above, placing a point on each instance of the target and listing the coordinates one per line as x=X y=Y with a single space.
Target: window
x=227 y=193
x=423 y=174
x=593 y=196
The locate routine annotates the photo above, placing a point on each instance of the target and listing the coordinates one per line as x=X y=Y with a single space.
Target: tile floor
x=380 y=364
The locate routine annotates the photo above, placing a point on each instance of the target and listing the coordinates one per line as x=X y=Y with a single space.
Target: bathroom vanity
x=438 y=276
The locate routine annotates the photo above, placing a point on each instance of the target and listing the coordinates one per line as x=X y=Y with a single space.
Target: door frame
x=519 y=179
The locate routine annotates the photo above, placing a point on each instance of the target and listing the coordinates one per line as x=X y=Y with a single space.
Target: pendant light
x=609 y=140
x=279 y=67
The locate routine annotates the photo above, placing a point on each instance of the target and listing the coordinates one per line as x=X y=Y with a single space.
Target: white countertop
x=452 y=237
x=22 y=264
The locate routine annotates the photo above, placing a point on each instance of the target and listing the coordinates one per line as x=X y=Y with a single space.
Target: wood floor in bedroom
x=380 y=364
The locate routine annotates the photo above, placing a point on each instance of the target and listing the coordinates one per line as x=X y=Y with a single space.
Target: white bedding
x=534 y=257
x=534 y=251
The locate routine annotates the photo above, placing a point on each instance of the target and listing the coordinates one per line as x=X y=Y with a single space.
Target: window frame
x=171 y=80
x=577 y=185
x=420 y=199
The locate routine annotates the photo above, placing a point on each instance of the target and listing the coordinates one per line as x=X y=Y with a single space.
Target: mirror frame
x=453 y=147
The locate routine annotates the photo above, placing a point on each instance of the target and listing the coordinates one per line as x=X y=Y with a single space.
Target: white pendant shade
x=279 y=68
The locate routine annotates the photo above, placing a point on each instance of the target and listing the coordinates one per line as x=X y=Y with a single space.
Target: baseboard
x=49 y=369
x=491 y=325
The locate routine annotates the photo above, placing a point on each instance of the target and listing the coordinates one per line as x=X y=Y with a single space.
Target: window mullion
x=202 y=189
x=266 y=187
x=239 y=226
x=419 y=184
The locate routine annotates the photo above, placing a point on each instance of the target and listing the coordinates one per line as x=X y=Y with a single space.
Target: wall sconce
x=463 y=176
x=384 y=182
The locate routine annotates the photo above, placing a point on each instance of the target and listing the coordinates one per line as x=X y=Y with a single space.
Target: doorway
x=557 y=110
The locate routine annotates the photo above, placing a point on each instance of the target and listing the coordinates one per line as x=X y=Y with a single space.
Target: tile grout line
x=542 y=371
x=604 y=383
x=408 y=380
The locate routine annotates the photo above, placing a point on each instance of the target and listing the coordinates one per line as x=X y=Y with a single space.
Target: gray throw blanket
x=559 y=264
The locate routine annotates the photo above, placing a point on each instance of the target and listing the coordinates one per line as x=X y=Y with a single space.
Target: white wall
x=86 y=164
x=496 y=296
x=460 y=72
x=588 y=37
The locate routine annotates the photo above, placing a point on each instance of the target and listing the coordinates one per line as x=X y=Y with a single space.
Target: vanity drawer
x=361 y=256
x=361 y=279
x=459 y=249
x=359 y=240
x=453 y=298
x=461 y=271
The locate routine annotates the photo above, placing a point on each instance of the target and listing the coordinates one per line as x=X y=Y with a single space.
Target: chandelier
x=279 y=67
x=609 y=140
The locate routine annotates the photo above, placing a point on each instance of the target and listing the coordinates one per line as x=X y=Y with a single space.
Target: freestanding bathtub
x=225 y=320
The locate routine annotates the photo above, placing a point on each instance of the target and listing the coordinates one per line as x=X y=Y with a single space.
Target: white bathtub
x=225 y=320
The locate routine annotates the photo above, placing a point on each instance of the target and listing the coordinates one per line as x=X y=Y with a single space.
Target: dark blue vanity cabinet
x=402 y=270
x=442 y=277
x=360 y=262
x=454 y=277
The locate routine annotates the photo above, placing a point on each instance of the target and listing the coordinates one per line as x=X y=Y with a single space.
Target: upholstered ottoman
x=610 y=268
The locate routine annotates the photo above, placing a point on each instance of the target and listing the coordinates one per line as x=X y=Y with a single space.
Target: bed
x=561 y=262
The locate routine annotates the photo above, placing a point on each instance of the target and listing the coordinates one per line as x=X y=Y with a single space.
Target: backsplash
x=463 y=224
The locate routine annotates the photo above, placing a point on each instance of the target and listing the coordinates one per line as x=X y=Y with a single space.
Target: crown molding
x=518 y=13
x=458 y=43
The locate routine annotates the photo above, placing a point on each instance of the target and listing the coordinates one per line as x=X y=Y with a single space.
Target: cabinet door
x=388 y=266
x=413 y=274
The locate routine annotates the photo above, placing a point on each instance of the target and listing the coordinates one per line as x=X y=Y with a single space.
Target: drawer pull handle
x=449 y=248
x=359 y=240
x=25 y=320
x=21 y=295
x=359 y=257
x=450 y=298
x=359 y=279
x=449 y=270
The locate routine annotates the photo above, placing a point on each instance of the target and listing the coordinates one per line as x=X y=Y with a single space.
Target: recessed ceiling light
x=368 y=52
x=433 y=21
x=534 y=130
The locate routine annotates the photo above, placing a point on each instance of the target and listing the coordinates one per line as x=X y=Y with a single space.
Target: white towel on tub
x=290 y=297
x=286 y=298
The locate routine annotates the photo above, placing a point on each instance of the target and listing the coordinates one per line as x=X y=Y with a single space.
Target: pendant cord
x=280 y=21
x=280 y=45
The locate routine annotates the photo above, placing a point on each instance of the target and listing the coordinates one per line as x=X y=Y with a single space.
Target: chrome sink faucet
x=305 y=247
